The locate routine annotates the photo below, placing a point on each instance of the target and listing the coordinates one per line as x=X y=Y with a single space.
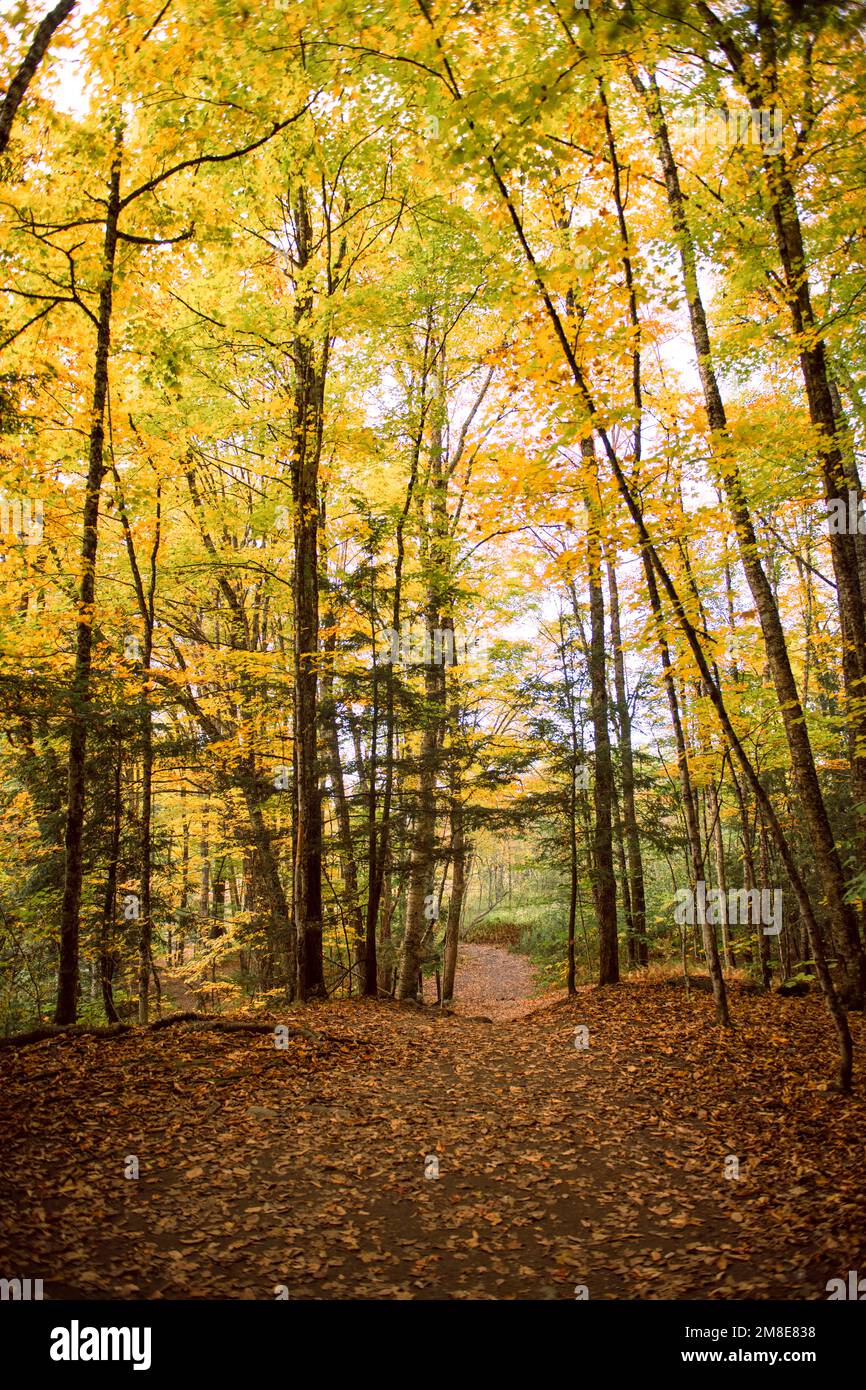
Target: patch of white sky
x=63 y=71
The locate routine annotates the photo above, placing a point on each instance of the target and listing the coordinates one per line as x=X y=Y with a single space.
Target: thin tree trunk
x=67 y=992
x=689 y=800
x=106 y=944
x=389 y=901
x=180 y=939
x=574 y=741
x=424 y=839
x=631 y=944
x=632 y=835
x=458 y=851
x=604 y=883
x=145 y=920
x=338 y=789
x=748 y=860
x=204 y=856
x=146 y=601
x=763 y=943
x=309 y=406
x=379 y=842
x=721 y=875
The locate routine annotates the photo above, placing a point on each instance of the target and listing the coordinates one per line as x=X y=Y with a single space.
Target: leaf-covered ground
x=558 y=1166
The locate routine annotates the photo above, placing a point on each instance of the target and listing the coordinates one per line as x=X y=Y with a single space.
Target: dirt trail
x=493 y=982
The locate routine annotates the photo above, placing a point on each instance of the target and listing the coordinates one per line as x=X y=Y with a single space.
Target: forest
x=433 y=632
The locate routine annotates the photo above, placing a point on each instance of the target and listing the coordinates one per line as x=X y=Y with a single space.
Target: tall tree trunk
x=145 y=919
x=575 y=752
x=603 y=878
x=421 y=863
x=458 y=850
x=204 y=856
x=384 y=969
x=419 y=900
x=763 y=943
x=379 y=841
x=146 y=602
x=758 y=78
x=689 y=800
x=458 y=884
x=67 y=991
x=856 y=762
x=619 y=838
x=636 y=915
x=420 y=889
x=604 y=882
x=282 y=934
x=378 y=848
x=632 y=835
x=341 y=803
x=573 y=871
x=748 y=858
x=721 y=875
x=183 y=914
x=107 y=935
x=309 y=407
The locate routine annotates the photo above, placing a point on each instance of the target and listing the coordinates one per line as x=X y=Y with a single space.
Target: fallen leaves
x=306 y=1167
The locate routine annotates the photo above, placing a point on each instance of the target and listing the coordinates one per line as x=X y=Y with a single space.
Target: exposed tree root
x=122 y=1030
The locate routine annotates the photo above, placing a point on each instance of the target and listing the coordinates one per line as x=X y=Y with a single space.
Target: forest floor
x=559 y=1166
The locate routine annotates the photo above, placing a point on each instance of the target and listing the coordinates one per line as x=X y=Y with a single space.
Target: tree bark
x=107 y=935
x=146 y=602
x=458 y=851
x=619 y=838
x=574 y=749
x=309 y=407
x=632 y=835
x=721 y=875
x=338 y=790
x=748 y=860
x=183 y=913
x=282 y=927
x=67 y=992
x=604 y=882
x=421 y=887
x=763 y=943
x=379 y=840
x=689 y=800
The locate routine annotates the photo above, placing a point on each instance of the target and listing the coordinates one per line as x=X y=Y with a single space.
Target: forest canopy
x=430 y=499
